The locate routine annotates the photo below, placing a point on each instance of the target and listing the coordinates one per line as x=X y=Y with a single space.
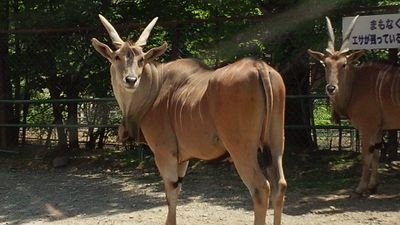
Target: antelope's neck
x=340 y=102
x=140 y=102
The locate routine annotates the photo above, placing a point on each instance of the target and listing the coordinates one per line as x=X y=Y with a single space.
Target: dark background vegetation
x=45 y=53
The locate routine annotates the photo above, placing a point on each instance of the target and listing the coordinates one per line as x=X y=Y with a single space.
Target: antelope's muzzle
x=130 y=81
x=330 y=89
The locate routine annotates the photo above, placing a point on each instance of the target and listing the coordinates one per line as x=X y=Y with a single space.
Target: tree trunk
x=298 y=112
x=390 y=150
x=92 y=134
x=90 y=144
x=17 y=83
x=73 y=132
x=72 y=93
x=176 y=42
x=58 y=120
x=55 y=93
x=8 y=136
x=105 y=118
x=25 y=110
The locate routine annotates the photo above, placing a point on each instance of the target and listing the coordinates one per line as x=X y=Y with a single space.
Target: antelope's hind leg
x=278 y=185
x=249 y=171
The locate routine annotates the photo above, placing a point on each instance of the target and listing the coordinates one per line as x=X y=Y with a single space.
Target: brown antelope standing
x=367 y=94
x=187 y=110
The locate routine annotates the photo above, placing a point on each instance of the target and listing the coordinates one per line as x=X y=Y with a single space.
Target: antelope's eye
x=117 y=58
x=344 y=65
x=140 y=62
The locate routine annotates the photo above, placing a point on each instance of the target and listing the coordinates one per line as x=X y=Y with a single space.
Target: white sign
x=372 y=32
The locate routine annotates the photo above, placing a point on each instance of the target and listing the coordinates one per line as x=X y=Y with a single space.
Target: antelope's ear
x=316 y=55
x=355 y=55
x=102 y=48
x=155 y=52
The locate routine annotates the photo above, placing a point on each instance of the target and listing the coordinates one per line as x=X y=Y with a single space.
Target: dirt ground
x=211 y=195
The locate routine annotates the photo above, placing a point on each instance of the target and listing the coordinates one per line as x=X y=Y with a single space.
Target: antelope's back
x=208 y=108
x=238 y=97
x=376 y=88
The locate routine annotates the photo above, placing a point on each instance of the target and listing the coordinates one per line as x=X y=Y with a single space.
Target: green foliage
x=50 y=52
x=322 y=113
x=40 y=113
x=63 y=55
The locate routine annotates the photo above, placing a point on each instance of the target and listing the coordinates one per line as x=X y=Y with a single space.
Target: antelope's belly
x=199 y=141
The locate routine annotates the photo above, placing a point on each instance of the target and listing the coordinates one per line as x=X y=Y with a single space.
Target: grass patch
x=322 y=170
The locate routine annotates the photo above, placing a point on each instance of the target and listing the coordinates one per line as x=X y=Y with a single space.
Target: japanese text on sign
x=372 y=32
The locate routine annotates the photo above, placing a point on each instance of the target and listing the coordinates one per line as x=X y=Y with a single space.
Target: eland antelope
x=186 y=110
x=367 y=94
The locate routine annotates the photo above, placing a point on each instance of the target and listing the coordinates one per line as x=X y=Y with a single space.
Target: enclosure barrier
x=50 y=101
x=324 y=136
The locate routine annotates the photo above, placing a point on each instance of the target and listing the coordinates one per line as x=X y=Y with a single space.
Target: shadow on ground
x=27 y=194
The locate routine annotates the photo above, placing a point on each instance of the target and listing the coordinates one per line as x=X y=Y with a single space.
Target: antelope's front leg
x=172 y=174
x=370 y=157
x=373 y=181
x=365 y=172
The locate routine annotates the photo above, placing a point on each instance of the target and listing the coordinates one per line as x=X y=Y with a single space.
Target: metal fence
x=323 y=135
x=316 y=122
x=49 y=58
x=40 y=128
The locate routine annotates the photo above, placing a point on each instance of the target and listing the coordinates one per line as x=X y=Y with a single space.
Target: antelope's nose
x=330 y=89
x=130 y=80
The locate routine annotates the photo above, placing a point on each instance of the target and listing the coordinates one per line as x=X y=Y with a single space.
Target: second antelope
x=187 y=110
x=368 y=95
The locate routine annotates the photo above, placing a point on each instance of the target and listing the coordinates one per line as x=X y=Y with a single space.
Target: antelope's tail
x=272 y=137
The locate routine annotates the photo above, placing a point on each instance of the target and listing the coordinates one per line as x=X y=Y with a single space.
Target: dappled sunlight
x=212 y=193
x=276 y=25
x=308 y=201
x=59 y=195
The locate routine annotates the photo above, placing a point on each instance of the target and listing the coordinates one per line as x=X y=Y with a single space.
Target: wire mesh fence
x=98 y=120
x=61 y=65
